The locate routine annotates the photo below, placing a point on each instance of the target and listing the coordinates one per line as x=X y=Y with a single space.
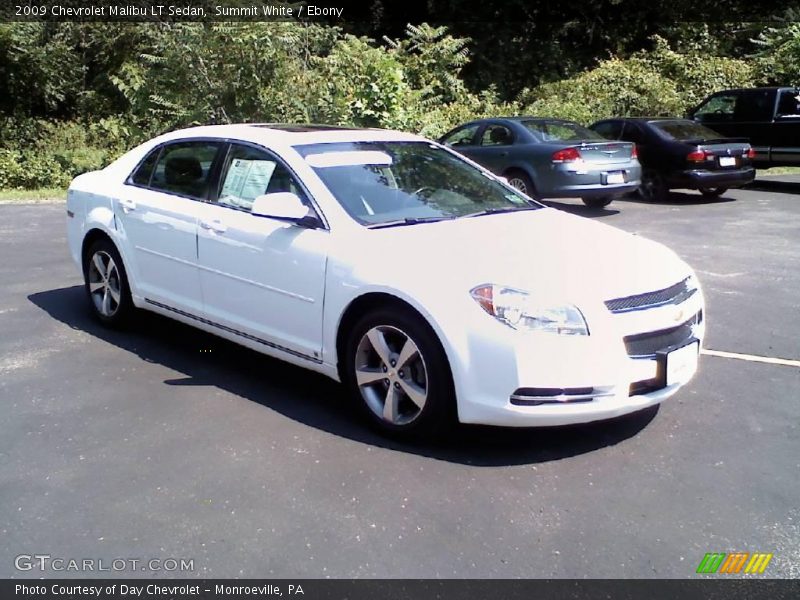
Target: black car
x=679 y=153
x=550 y=158
x=768 y=117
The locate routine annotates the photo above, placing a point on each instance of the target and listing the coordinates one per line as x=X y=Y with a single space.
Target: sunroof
x=295 y=128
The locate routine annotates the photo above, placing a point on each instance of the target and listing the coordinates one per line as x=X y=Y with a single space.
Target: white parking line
x=752 y=358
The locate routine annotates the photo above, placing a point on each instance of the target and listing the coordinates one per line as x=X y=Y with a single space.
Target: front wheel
x=713 y=192
x=106 y=284
x=598 y=202
x=397 y=371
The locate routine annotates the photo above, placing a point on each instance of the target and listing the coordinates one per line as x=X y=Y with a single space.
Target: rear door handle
x=127 y=205
x=216 y=226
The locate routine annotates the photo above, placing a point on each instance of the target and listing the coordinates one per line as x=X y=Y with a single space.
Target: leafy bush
x=30 y=170
x=660 y=82
x=778 y=59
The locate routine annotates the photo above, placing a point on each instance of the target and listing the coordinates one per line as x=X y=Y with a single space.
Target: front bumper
x=547 y=380
x=701 y=178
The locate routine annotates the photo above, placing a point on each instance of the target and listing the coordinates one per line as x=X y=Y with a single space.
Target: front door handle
x=216 y=226
x=127 y=205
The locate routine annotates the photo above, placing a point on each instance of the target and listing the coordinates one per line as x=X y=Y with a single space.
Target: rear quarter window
x=144 y=171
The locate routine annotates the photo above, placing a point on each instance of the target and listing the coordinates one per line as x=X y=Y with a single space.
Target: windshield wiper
x=497 y=211
x=408 y=221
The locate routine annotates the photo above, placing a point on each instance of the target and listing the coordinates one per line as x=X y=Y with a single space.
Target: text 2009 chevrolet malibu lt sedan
x=428 y=286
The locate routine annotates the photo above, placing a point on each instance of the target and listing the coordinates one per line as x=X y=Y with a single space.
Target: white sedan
x=432 y=289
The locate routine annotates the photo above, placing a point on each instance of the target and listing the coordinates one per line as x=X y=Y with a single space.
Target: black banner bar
x=314 y=589
x=432 y=11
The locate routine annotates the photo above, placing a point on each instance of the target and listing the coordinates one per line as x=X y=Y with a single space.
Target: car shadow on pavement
x=680 y=198
x=315 y=400
x=582 y=210
x=778 y=186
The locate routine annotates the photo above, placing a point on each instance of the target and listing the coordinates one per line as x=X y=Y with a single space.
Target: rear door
x=494 y=147
x=158 y=211
x=786 y=129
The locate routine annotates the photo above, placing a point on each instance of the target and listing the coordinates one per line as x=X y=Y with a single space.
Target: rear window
x=685 y=130
x=559 y=131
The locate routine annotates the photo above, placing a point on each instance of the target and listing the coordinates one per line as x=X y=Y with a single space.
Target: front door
x=261 y=278
x=786 y=129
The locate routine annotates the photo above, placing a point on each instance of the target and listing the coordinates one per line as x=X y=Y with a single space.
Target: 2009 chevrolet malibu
x=428 y=286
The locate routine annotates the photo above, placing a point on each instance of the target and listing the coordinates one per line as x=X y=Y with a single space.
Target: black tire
x=109 y=298
x=520 y=181
x=598 y=201
x=715 y=192
x=653 y=188
x=437 y=415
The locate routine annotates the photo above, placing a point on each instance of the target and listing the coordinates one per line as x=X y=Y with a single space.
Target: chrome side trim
x=234 y=331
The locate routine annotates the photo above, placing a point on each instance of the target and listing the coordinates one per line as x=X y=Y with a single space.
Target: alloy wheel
x=104 y=284
x=518 y=184
x=391 y=375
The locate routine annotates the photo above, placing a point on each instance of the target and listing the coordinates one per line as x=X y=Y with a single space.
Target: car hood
x=545 y=250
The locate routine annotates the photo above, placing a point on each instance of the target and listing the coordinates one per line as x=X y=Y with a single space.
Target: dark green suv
x=768 y=117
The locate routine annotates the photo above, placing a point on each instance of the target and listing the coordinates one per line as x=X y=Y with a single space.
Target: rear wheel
x=397 y=371
x=520 y=181
x=653 y=188
x=598 y=202
x=713 y=192
x=106 y=284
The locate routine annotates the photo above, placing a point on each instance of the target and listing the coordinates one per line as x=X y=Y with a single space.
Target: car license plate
x=617 y=177
x=682 y=363
x=727 y=161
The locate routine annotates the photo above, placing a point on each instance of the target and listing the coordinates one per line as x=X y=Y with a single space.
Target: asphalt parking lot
x=165 y=442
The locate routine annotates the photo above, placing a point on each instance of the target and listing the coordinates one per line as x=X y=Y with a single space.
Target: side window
x=754 y=105
x=717 y=109
x=497 y=135
x=185 y=168
x=250 y=173
x=461 y=137
x=143 y=173
x=611 y=130
x=789 y=105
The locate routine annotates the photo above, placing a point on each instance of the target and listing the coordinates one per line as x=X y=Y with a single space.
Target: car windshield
x=685 y=130
x=559 y=131
x=383 y=183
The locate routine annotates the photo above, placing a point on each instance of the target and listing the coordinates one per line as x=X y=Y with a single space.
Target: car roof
x=289 y=134
x=645 y=119
x=516 y=119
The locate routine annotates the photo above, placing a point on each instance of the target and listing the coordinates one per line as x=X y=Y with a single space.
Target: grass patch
x=38 y=195
x=781 y=171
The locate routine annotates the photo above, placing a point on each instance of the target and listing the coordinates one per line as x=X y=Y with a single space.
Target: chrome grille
x=645 y=345
x=674 y=294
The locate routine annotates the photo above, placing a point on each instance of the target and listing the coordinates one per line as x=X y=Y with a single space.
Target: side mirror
x=284 y=206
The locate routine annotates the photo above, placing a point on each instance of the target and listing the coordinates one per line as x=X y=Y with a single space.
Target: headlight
x=520 y=310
